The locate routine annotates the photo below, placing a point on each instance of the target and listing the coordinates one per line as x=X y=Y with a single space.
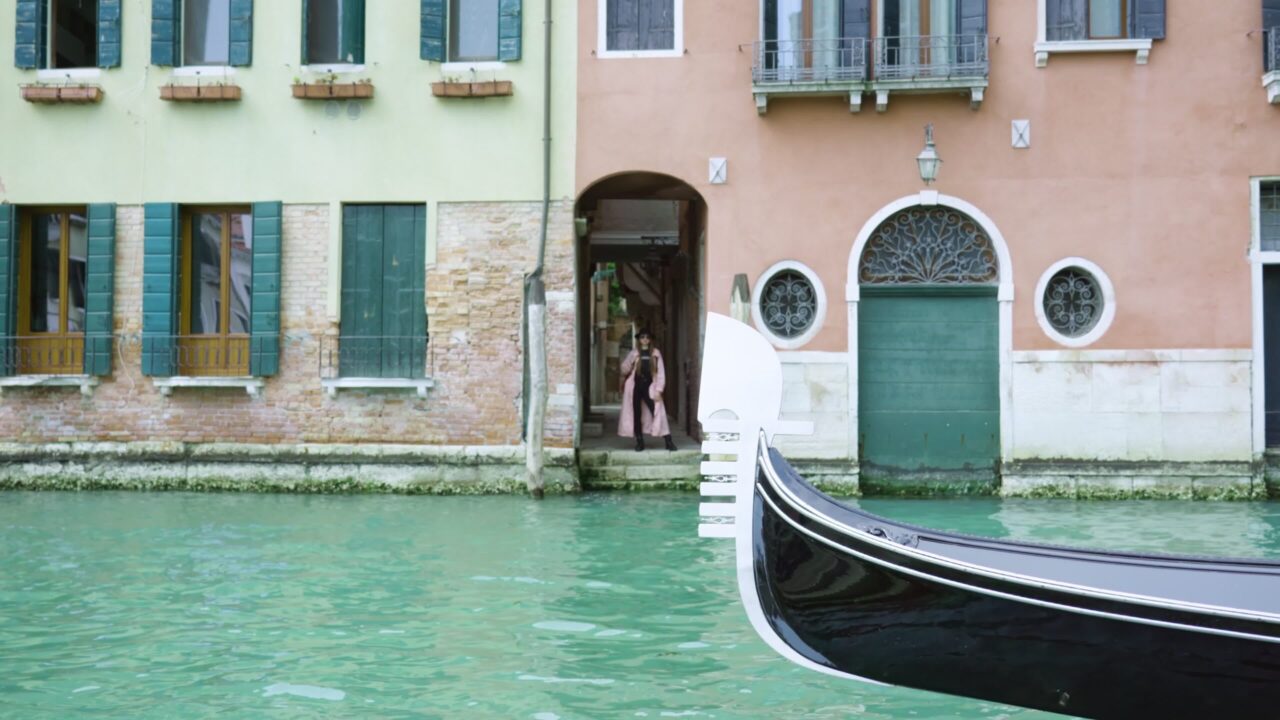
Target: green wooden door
x=383 y=291
x=928 y=384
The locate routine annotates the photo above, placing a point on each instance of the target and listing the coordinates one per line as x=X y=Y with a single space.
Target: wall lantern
x=928 y=159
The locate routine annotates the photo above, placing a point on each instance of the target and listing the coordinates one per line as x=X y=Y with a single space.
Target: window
x=52 y=259
x=473 y=30
x=642 y=25
x=384 y=321
x=1075 y=302
x=206 y=32
x=217 y=283
x=1269 y=220
x=1106 y=18
x=789 y=304
x=334 y=32
x=73 y=33
x=1070 y=20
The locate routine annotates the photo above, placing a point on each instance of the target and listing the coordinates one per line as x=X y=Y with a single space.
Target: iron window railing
x=1272 y=48
x=922 y=57
x=409 y=357
x=44 y=354
x=198 y=355
x=808 y=61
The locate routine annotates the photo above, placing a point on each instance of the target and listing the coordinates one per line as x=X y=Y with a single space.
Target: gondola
x=1079 y=632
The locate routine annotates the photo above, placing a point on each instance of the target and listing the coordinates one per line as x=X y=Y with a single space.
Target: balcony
x=931 y=64
x=835 y=66
x=1271 y=74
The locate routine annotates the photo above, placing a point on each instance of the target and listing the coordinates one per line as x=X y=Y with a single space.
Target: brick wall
x=474 y=300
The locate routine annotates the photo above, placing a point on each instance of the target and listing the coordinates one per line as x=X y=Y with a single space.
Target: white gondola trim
x=720 y=447
x=718 y=489
x=718 y=468
x=717 y=510
x=721 y=531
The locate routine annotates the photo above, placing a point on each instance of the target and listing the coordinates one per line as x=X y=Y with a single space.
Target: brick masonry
x=474 y=296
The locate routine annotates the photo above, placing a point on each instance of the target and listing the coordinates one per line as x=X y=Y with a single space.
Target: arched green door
x=928 y=354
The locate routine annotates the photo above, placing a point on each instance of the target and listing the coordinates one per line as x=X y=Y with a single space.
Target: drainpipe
x=535 y=299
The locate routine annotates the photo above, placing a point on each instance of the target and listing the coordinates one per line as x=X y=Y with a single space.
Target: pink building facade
x=1078 y=304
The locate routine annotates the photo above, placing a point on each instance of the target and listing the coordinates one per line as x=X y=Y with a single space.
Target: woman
x=642 y=408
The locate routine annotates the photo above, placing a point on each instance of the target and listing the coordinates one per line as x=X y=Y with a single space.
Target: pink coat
x=653 y=424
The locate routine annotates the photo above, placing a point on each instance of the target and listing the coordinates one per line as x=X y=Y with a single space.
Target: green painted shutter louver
x=264 y=309
x=160 y=288
x=1066 y=20
x=8 y=287
x=241 y=33
x=29 y=33
x=166 y=29
x=100 y=278
x=1146 y=19
x=509 y=29
x=353 y=31
x=433 y=30
x=109 y=33
x=384 y=323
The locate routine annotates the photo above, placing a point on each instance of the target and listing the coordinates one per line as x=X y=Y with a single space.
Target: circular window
x=789 y=304
x=1076 y=304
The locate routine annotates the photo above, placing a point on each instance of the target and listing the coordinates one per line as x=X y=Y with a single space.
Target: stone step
x=640 y=472
x=654 y=454
x=593 y=429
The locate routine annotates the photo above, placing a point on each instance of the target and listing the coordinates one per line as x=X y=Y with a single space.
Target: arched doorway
x=640 y=265
x=930 y=297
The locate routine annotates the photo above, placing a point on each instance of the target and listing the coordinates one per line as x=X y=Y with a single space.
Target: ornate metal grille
x=929 y=246
x=1072 y=302
x=788 y=304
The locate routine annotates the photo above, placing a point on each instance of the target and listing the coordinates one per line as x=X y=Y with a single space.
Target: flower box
x=333 y=91
x=200 y=93
x=60 y=94
x=487 y=88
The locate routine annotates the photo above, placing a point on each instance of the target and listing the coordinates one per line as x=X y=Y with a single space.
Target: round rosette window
x=788 y=305
x=1075 y=303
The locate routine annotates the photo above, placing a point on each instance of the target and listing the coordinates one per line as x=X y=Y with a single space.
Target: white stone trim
x=602 y=39
x=1108 y=303
x=1189 y=355
x=820 y=312
x=420 y=385
x=1271 y=81
x=86 y=383
x=77 y=74
x=465 y=66
x=1004 y=296
x=212 y=71
x=334 y=69
x=1142 y=48
x=813 y=357
x=251 y=385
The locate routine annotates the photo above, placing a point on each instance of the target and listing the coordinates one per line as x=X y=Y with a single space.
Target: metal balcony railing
x=408 y=357
x=810 y=61
x=198 y=355
x=931 y=57
x=1271 y=38
x=43 y=354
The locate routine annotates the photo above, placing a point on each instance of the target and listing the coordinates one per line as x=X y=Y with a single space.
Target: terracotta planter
x=333 y=91
x=489 y=88
x=59 y=94
x=200 y=93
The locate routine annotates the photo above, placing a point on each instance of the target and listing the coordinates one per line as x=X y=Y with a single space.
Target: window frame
x=182 y=39
x=355 y=62
x=1045 y=47
x=224 y=343
x=1105 y=287
x=1122 y=21
x=677 y=35
x=26 y=338
x=819 y=312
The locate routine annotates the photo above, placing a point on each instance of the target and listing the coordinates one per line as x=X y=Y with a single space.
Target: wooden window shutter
x=166 y=32
x=657 y=25
x=30 y=31
x=109 y=33
x=361 y=313
x=1066 y=19
x=160 y=294
x=509 y=29
x=241 y=33
x=353 y=31
x=8 y=288
x=433 y=29
x=1270 y=20
x=622 y=31
x=404 y=324
x=100 y=282
x=264 y=308
x=1146 y=19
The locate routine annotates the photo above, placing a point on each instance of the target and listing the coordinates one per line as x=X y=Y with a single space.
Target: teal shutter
x=353 y=31
x=30 y=32
x=509 y=29
x=160 y=288
x=359 y=353
x=241 y=33
x=264 y=338
x=100 y=281
x=1146 y=19
x=404 y=320
x=166 y=32
x=8 y=288
x=109 y=33
x=306 y=19
x=433 y=30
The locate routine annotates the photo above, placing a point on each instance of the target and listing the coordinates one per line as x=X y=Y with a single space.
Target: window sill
x=1271 y=81
x=251 y=385
x=1142 y=47
x=334 y=69
x=57 y=74
x=203 y=71
x=637 y=54
x=333 y=385
x=86 y=383
x=463 y=66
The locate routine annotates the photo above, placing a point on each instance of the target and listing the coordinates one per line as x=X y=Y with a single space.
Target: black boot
x=671 y=444
x=639 y=443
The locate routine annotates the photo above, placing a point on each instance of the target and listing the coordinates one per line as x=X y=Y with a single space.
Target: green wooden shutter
x=403 y=293
x=509 y=29
x=433 y=30
x=306 y=19
x=241 y=33
x=30 y=33
x=1066 y=19
x=8 y=288
x=108 y=33
x=160 y=275
x=359 y=353
x=353 y=31
x=264 y=340
x=100 y=281
x=166 y=32
x=1146 y=19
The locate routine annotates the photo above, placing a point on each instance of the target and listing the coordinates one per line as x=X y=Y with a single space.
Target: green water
x=137 y=605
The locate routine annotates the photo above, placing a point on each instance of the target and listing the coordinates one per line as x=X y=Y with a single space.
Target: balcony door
x=919 y=32
x=805 y=35
x=51 y=291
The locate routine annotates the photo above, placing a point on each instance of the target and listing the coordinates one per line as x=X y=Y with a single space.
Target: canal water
x=137 y=605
